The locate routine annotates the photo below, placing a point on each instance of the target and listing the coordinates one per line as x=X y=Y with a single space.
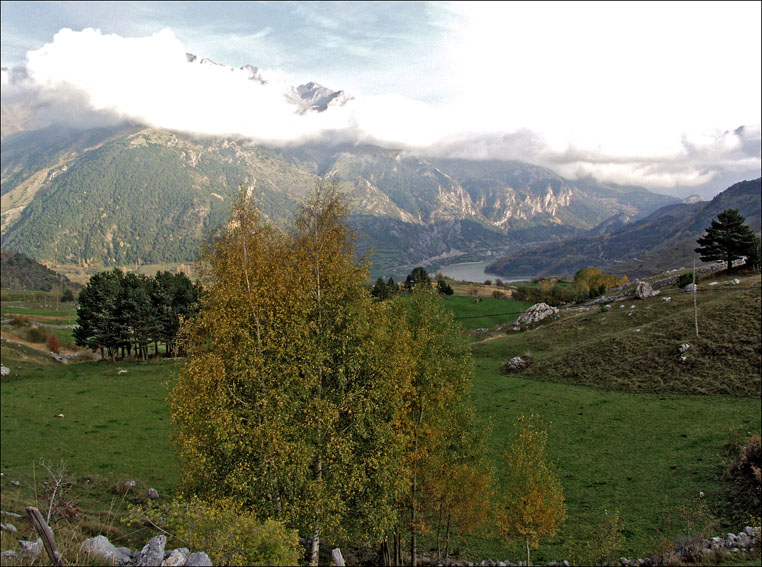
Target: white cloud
x=618 y=91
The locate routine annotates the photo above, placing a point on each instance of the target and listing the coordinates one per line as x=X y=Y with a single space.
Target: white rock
x=4 y=370
x=644 y=290
x=198 y=559
x=666 y=299
x=714 y=283
x=177 y=558
x=734 y=282
x=153 y=552
x=690 y=288
x=102 y=548
x=537 y=312
x=683 y=347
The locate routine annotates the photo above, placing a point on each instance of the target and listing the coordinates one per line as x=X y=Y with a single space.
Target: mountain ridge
x=674 y=227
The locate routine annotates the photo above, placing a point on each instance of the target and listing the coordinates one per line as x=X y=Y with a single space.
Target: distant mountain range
x=664 y=239
x=127 y=195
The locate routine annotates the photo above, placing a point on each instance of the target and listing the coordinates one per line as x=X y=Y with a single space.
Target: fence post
x=338 y=560
x=46 y=535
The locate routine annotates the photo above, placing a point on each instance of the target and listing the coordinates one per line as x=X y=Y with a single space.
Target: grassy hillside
x=634 y=345
x=21 y=273
x=623 y=436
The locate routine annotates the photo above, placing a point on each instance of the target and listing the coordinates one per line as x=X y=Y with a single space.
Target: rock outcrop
x=537 y=312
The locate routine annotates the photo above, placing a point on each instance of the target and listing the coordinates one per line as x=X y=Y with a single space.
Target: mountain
x=664 y=239
x=127 y=195
x=19 y=272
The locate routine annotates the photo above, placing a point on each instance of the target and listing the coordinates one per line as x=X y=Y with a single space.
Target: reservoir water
x=475 y=272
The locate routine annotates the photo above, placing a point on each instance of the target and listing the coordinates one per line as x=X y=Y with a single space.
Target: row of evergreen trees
x=123 y=314
x=418 y=277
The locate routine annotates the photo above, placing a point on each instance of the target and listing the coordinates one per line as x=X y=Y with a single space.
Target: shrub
x=229 y=534
x=19 y=322
x=67 y=296
x=37 y=334
x=53 y=343
x=744 y=478
x=686 y=279
x=603 y=545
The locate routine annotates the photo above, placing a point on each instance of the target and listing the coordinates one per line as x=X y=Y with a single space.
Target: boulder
x=31 y=549
x=4 y=370
x=177 y=558
x=198 y=559
x=153 y=552
x=152 y=494
x=516 y=364
x=644 y=290
x=101 y=548
x=537 y=312
x=683 y=347
x=690 y=288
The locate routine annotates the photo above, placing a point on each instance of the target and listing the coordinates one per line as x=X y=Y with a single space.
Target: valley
x=624 y=439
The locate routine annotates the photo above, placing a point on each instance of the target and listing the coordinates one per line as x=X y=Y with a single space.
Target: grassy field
x=622 y=435
x=487 y=312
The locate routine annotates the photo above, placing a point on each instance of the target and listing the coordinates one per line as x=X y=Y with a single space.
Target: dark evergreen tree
x=417 y=277
x=727 y=239
x=380 y=291
x=98 y=314
x=444 y=288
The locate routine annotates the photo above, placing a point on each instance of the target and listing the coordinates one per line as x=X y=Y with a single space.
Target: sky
x=665 y=95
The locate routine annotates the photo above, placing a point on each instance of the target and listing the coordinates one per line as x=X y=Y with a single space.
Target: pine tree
x=727 y=239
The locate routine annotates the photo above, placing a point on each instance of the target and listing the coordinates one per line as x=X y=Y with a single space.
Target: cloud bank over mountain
x=88 y=78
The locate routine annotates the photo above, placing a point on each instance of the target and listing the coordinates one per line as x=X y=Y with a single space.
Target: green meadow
x=633 y=442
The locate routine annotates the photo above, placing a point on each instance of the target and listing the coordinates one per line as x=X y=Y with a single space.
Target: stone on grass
x=153 y=552
x=101 y=548
x=198 y=559
x=516 y=364
x=690 y=288
x=4 y=370
x=31 y=548
x=152 y=494
x=666 y=299
x=537 y=312
x=734 y=281
x=177 y=558
x=644 y=290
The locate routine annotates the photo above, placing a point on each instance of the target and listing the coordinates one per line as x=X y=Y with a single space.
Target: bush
x=744 y=478
x=67 y=296
x=37 y=334
x=603 y=545
x=686 y=279
x=227 y=533
x=20 y=322
x=53 y=343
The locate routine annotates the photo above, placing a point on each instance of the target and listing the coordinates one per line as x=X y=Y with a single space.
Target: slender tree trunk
x=447 y=537
x=439 y=530
x=526 y=541
x=315 y=551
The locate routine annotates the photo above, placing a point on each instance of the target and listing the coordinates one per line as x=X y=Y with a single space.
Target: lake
x=474 y=272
